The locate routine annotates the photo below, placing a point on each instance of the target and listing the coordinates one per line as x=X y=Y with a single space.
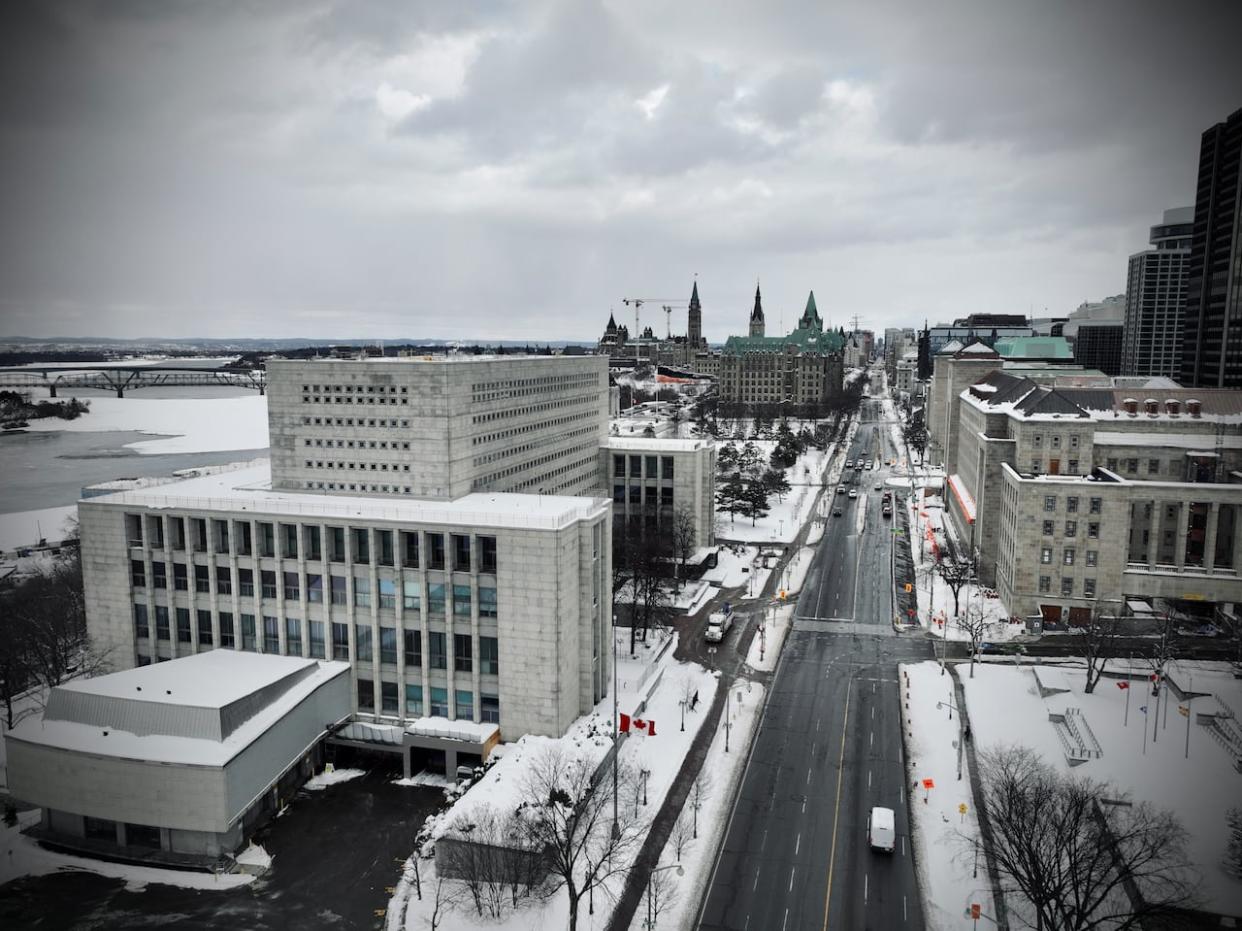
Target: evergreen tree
x=754 y=502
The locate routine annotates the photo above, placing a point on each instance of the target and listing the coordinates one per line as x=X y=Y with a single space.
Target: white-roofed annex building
x=177 y=762
x=436 y=523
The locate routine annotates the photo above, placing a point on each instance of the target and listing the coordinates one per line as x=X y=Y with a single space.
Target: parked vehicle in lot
x=718 y=624
x=881 y=829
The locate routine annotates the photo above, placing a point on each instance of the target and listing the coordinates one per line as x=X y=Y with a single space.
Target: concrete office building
x=1212 y=325
x=958 y=367
x=650 y=480
x=186 y=758
x=1082 y=497
x=1098 y=346
x=1156 y=299
x=984 y=328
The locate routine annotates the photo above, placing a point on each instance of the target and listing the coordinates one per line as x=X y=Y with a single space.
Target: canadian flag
x=1123 y=685
x=640 y=725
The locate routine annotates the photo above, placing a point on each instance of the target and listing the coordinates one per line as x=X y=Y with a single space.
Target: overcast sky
x=494 y=170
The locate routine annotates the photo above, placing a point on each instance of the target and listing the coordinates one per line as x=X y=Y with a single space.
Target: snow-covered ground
x=323 y=780
x=661 y=756
x=1144 y=754
x=765 y=646
x=945 y=862
x=24 y=528
x=785 y=517
x=24 y=857
x=733 y=567
x=183 y=425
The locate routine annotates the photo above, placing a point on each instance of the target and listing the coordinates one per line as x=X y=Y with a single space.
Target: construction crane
x=668 y=304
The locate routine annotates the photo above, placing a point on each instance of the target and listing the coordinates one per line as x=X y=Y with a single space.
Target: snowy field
x=183 y=425
x=946 y=866
x=785 y=517
x=24 y=528
x=1145 y=756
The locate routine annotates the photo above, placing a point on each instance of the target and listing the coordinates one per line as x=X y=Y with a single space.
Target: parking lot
x=334 y=853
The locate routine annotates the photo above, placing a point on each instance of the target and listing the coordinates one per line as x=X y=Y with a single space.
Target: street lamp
x=728 y=723
x=649 y=924
x=683 y=713
x=961 y=732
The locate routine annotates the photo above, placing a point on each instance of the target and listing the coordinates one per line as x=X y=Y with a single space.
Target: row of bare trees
x=642 y=558
x=43 y=636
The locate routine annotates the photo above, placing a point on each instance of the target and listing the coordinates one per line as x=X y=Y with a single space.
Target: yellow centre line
x=836 y=815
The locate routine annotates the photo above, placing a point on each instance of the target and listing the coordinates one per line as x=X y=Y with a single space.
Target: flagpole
x=1129 y=676
x=616 y=730
x=1190 y=696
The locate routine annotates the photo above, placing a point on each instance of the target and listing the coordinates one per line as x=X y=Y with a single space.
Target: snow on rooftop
x=205 y=680
x=452 y=730
x=1202 y=441
x=250 y=489
x=654 y=444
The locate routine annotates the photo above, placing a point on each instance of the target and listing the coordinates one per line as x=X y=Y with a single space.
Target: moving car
x=836 y=512
x=853 y=493
x=718 y=625
x=878 y=485
x=849 y=463
x=881 y=830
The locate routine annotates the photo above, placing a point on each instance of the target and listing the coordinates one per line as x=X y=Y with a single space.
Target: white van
x=881 y=833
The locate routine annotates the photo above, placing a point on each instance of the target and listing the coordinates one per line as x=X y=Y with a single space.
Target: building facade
x=651 y=480
x=1098 y=346
x=1212 y=325
x=1156 y=299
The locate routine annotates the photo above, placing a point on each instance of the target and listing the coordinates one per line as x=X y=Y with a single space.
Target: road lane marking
x=836 y=815
x=786 y=921
x=755 y=885
x=866 y=884
x=904 y=917
x=793 y=871
x=764 y=842
x=868 y=779
x=798 y=844
x=808 y=777
x=873 y=738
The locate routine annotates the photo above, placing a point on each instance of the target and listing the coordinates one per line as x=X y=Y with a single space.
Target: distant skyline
x=513 y=170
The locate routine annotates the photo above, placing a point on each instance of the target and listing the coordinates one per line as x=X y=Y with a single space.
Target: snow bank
x=27 y=528
x=325 y=779
x=732 y=568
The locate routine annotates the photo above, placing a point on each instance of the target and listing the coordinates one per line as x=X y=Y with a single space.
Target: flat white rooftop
x=654 y=444
x=250 y=489
x=203 y=680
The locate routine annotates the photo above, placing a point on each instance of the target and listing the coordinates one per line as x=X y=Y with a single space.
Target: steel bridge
x=128 y=378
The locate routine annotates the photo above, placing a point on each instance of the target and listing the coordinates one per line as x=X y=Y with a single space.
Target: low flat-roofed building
x=178 y=761
x=651 y=479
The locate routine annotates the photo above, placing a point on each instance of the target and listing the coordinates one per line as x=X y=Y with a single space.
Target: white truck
x=718 y=624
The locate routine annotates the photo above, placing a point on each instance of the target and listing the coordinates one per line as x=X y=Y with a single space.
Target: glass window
x=1071 y=504
x=439 y=654
x=241 y=533
x=141 y=626
x=409 y=545
x=1088 y=588
x=666 y=467
x=1050 y=502
x=204 y=627
x=245 y=582
x=340 y=595
x=387 y=593
x=461 y=552
x=618 y=494
x=336 y=544
x=383 y=541
x=310 y=540
x=292 y=586
x=293 y=636
x=289 y=541
x=435 y=597
x=1073 y=467
x=463 y=653
x=249 y=641
x=1035 y=464
x=224 y=580
x=340 y=641
x=222 y=535
x=1037 y=439
x=137 y=573
x=366 y=695
x=202 y=579
x=361 y=543
x=439 y=702
x=362 y=592
x=489 y=708
x=461 y=600
x=133 y=529
x=1056 y=440
x=413 y=698
x=159 y=575
x=1045 y=554
x=198 y=527
x=464 y=701
x=1092 y=556
x=314 y=588
x=180 y=578
x=413 y=648
x=618 y=465
x=388 y=697
x=1132 y=466
x=1153 y=466
x=435 y=542
x=1068 y=556
x=636 y=467
x=1073 y=441
x=1097 y=505
x=1067 y=586
x=268 y=578
x=267 y=539
x=1048 y=528
x=176 y=526
x=227 y=636
x=1071 y=528
x=487 y=554
x=1045 y=583
x=1112 y=464
x=487 y=601
x=388 y=645
x=316 y=640
x=362 y=643
x=412 y=591
x=183 y=626
x=489 y=656
x=161 y=623
x=1093 y=531
x=271 y=634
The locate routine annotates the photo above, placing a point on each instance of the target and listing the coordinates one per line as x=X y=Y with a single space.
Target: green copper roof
x=805 y=340
x=1034 y=347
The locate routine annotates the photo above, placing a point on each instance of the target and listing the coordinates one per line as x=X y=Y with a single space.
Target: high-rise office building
x=1156 y=299
x=1212 y=332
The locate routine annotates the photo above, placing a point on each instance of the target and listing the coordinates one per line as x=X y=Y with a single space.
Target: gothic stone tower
x=756 y=315
x=694 y=322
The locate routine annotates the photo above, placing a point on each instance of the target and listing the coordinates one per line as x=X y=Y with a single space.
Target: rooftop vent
x=1194 y=407
x=1152 y=407
x=1172 y=406
x=1131 y=406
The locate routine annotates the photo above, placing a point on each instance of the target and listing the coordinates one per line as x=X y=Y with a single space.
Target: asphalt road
x=828 y=747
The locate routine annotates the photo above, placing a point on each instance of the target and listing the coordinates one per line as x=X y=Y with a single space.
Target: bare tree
x=700 y=792
x=445 y=896
x=956 y=573
x=682 y=834
x=492 y=861
x=661 y=896
x=974 y=623
x=1099 y=642
x=681 y=538
x=1081 y=855
x=569 y=817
